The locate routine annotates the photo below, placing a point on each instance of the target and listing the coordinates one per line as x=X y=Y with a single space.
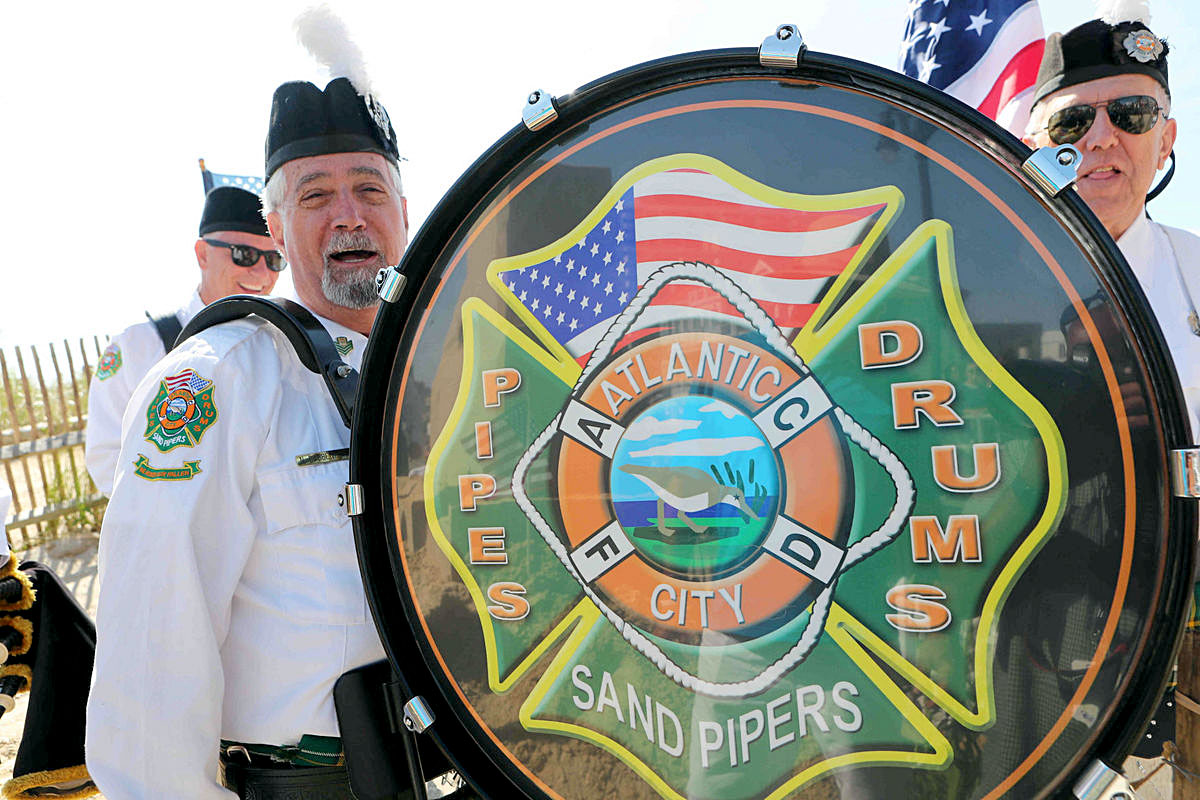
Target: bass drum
x=754 y=432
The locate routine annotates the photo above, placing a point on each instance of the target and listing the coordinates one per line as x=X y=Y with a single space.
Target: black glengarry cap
x=306 y=121
x=228 y=208
x=1098 y=49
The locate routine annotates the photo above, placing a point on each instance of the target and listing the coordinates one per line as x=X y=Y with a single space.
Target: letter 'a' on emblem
x=591 y=428
x=181 y=411
x=681 y=446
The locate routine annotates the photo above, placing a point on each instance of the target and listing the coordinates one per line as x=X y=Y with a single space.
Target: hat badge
x=380 y=116
x=1143 y=46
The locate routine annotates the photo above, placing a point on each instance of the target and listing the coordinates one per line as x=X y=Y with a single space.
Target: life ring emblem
x=177 y=410
x=714 y=447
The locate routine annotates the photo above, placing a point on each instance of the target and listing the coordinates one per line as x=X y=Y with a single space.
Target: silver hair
x=275 y=192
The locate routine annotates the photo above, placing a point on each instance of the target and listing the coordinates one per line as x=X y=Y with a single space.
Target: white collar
x=1137 y=237
x=191 y=308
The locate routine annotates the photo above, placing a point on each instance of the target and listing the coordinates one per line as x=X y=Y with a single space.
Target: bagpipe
x=47 y=644
x=752 y=424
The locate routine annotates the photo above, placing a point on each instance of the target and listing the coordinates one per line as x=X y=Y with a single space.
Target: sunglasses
x=246 y=256
x=1135 y=114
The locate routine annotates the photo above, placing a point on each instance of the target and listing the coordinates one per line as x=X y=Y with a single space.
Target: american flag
x=212 y=180
x=187 y=379
x=783 y=257
x=984 y=52
x=248 y=182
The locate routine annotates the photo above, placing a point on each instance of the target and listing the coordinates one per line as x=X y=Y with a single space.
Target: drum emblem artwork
x=707 y=510
x=720 y=425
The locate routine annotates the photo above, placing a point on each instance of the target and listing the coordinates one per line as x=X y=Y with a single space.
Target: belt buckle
x=237 y=749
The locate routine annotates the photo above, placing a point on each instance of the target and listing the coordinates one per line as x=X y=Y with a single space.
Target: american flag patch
x=187 y=379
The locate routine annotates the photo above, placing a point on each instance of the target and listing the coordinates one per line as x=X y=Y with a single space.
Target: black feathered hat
x=306 y=121
x=228 y=208
x=1099 y=49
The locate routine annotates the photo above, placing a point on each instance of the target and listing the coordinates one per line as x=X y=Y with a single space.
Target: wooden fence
x=43 y=414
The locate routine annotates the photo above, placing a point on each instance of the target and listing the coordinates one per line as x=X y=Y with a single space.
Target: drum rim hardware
x=1185 y=472
x=539 y=111
x=1102 y=782
x=1053 y=169
x=389 y=283
x=417 y=715
x=782 y=49
x=351 y=498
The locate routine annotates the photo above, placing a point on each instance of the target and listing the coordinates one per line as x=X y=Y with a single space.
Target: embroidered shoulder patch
x=110 y=362
x=144 y=469
x=343 y=345
x=181 y=412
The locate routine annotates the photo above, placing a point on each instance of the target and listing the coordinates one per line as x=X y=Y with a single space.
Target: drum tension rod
x=1102 y=782
x=783 y=48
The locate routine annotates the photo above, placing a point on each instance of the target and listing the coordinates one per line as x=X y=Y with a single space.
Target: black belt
x=262 y=779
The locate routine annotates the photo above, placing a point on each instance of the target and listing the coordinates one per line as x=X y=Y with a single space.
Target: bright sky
x=108 y=106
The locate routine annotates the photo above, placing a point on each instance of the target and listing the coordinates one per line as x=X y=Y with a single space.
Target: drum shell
x=403 y=627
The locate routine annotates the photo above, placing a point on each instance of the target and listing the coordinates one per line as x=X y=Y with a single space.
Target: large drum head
x=752 y=433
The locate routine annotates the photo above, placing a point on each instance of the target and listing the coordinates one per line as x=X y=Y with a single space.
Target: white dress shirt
x=230 y=601
x=138 y=347
x=1154 y=250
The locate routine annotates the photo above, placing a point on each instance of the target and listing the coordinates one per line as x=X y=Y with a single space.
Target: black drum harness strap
x=167 y=327
x=308 y=338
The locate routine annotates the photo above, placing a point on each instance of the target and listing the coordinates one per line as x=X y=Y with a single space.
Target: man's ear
x=275 y=228
x=1035 y=115
x=201 y=254
x=404 y=210
x=1168 y=142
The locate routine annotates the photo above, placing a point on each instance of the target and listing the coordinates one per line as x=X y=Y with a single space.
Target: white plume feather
x=1117 y=11
x=326 y=37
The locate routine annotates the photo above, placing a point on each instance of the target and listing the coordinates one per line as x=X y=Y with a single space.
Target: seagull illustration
x=688 y=489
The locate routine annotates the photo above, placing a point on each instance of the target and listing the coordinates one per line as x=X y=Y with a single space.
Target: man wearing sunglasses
x=236 y=256
x=1102 y=87
x=230 y=599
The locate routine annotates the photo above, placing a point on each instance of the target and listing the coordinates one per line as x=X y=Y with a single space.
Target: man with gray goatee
x=230 y=597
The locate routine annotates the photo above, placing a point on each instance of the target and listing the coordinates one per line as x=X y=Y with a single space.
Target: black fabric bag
x=371 y=741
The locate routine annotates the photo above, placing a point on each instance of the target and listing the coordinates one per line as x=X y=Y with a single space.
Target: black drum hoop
x=389 y=598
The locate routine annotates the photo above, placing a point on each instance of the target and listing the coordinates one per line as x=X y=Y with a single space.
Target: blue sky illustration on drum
x=710 y=465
